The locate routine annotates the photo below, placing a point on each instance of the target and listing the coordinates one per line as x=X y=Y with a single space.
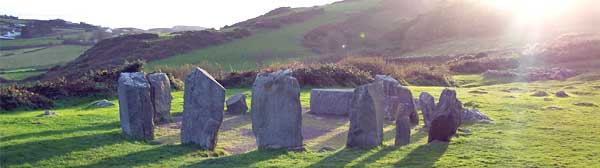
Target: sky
x=149 y=13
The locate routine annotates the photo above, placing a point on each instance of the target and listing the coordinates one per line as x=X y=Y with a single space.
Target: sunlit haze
x=534 y=9
x=149 y=13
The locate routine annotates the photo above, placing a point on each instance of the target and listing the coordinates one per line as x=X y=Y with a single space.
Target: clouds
x=149 y=13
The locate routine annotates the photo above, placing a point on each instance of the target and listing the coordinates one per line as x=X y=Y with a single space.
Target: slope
x=267 y=46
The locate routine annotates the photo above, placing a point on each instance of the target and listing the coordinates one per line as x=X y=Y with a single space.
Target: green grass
x=269 y=47
x=31 y=42
x=526 y=133
x=20 y=75
x=42 y=58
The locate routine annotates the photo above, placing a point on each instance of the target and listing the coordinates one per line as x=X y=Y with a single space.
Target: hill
x=29 y=47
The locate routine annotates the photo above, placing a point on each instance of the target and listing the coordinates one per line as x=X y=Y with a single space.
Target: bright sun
x=534 y=9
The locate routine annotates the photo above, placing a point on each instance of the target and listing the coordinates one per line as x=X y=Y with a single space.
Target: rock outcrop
x=204 y=100
x=135 y=106
x=276 y=111
x=474 y=116
x=367 y=116
x=330 y=101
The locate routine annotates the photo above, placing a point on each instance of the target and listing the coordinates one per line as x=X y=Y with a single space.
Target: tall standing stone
x=135 y=106
x=427 y=104
x=203 y=105
x=161 y=96
x=276 y=111
x=446 y=117
x=398 y=99
x=367 y=116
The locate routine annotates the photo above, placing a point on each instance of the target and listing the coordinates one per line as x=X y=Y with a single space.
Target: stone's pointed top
x=385 y=78
x=134 y=79
x=201 y=73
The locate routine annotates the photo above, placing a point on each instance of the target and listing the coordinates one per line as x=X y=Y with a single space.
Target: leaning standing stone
x=161 y=96
x=236 y=104
x=135 y=106
x=366 y=116
x=276 y=111
x=427 y=104
x=203 y=104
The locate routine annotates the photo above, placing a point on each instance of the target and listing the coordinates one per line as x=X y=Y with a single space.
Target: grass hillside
x=29 y=56
x=528 y=132
x=267 y=46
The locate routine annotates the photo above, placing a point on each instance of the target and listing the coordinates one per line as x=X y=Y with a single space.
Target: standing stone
x=448 y=103
x=427 y=104
x=276 y=112
x=403 y=126
x=330 y=101
x=203 y=104
x=446 y=117
x=397 y=99
x=135 y=106
x=366 y=116
x=443 y=127
x=236 y=104
x=161 y=96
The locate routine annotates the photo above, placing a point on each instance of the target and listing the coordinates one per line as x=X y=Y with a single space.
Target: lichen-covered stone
x=135 y=106
x=161 y=96
x=276 y=112
x=367 y=116
x=203 y=105
x=330 y=101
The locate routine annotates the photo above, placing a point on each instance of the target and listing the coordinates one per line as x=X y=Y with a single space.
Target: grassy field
x=268 y=46
x=41 y=58
x=528 y=132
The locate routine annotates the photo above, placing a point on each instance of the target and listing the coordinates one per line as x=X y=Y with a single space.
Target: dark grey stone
x=203 y=104
x=427 y=104
x=276 y=112
x=446 y=117
x=562 y=94
x=161 y=96
x=443 y=127
x=330 y=101
x=135 y=106
x=367 y=116
x=236 y=104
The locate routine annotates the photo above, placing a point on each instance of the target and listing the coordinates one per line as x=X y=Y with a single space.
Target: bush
x=13 y=98
x=483 y=64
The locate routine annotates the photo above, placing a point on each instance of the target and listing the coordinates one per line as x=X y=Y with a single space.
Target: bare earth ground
x=236 y=135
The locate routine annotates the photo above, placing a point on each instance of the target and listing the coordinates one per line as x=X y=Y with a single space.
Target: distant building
x=10 y=35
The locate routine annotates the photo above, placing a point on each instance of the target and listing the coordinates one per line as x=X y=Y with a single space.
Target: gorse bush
x=40 y=94
x=12 y=98
x=483 y=64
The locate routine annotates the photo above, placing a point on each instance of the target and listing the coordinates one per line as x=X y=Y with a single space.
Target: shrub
x=13 y=98
x=483 y=64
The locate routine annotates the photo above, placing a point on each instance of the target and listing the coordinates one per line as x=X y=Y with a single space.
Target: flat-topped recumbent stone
x=330 y=101
x=136 y=110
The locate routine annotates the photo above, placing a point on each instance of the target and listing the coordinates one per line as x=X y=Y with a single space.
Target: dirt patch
x=586 y=104
x=478 y=92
